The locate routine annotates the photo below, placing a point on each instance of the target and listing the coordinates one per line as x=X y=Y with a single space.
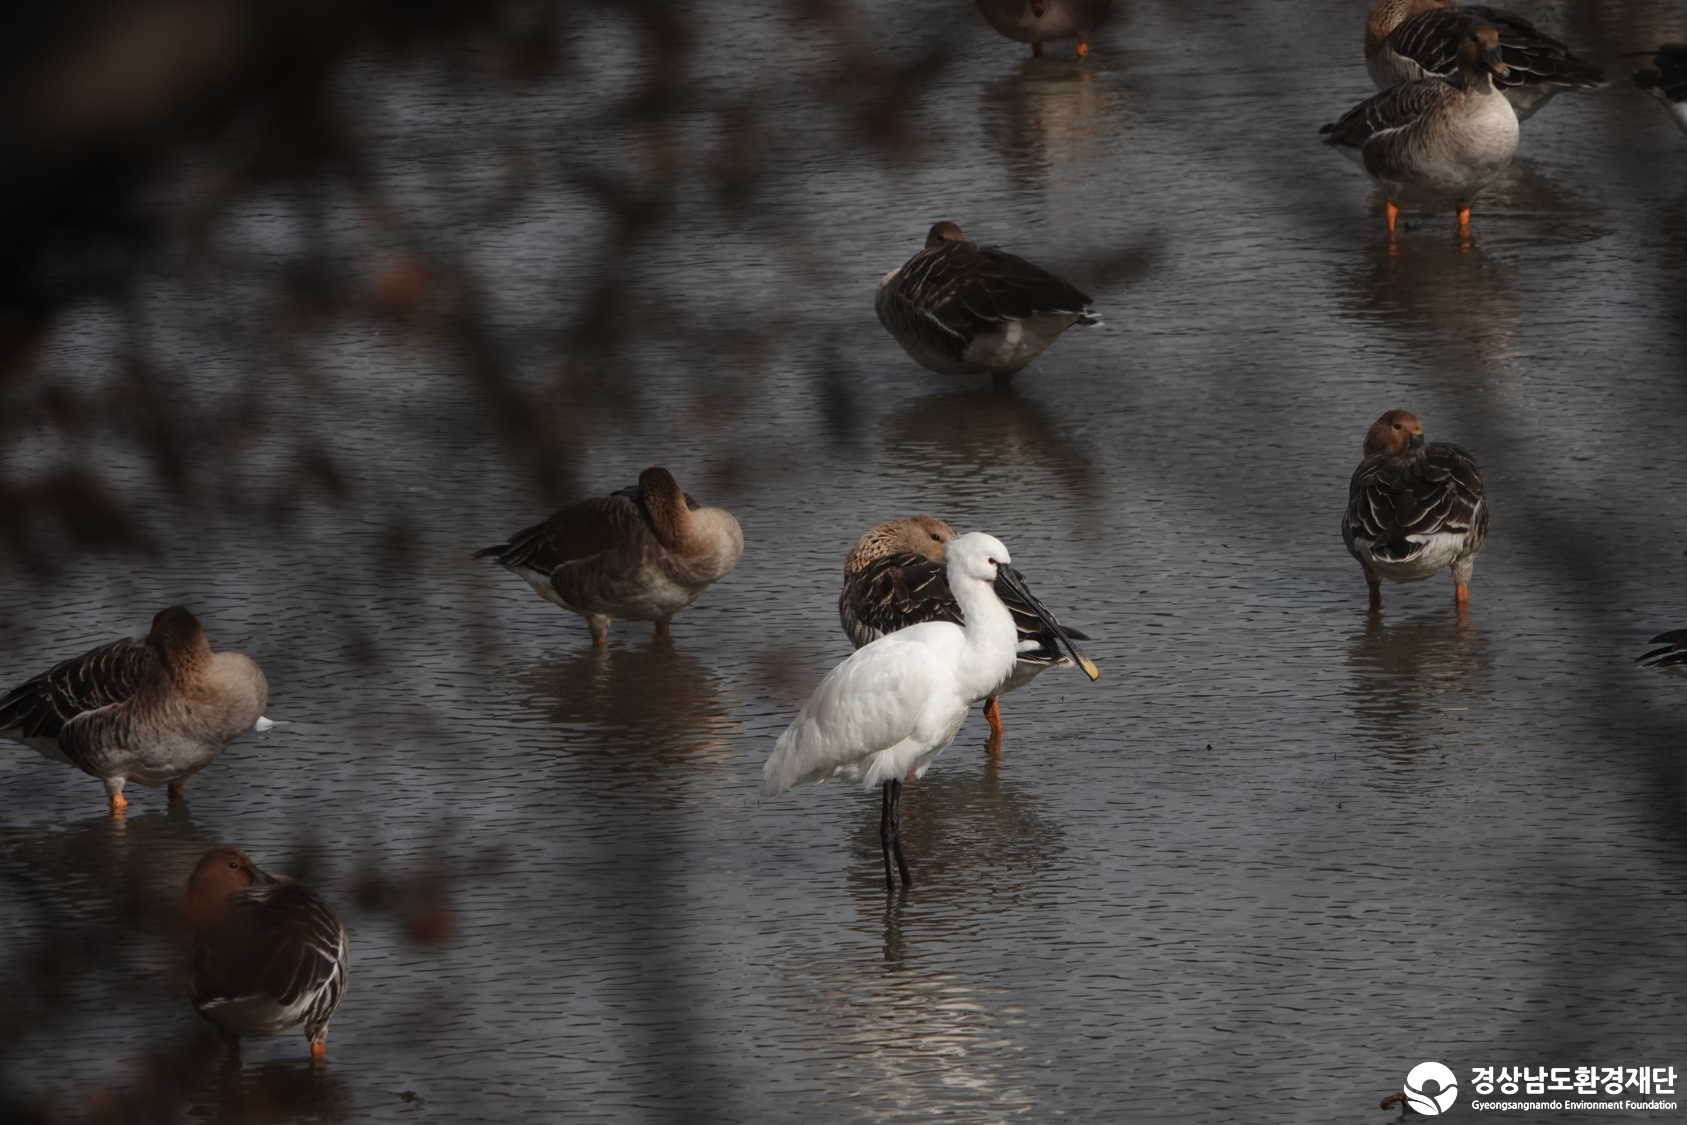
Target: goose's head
x=1394 y=433
x=220 y=872
x=1479 y=50
x=920 y=535
x=943 y=232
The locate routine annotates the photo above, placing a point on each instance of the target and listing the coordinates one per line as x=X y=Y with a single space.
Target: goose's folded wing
x=1440 y=492
x=893 y=593
x=283 y=943
x=1388 y=113
x=1533 y=57
x=962 y=289
x=1431 y=39
x=112 y=674
x=578 y=531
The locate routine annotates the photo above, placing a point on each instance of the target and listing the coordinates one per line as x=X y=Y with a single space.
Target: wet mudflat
x=1284 y=850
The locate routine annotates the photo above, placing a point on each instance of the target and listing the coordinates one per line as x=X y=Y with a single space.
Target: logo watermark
x=1424 y=1101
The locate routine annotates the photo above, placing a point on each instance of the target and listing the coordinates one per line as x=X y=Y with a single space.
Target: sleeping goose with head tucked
x=155 y=709
x=1436 y=139
x=1414 y=508
x=1407 y=40
x=640 y=554
x=959 y=308
x=896 y=575
x=268 y=955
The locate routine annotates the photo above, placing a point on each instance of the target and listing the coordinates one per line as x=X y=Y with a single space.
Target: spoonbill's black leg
x=896 y=834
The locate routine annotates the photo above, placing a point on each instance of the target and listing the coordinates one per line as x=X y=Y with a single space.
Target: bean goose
x=1413 y=508
x=268 y=954
x=1407 y=40
x=1666 y=79
x=895 y=576
x=155 y=709
x=1045 y=21
x=1436 y=138
x=963 y=309
x=640 y=554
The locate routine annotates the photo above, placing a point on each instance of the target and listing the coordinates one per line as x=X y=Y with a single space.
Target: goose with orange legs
x=640 y=554
x=1408 y=40
x=896 y=576
x=155 y=709
x=1436 y=139
x=268 y=954
x=1414 y=508
x=1046 y=21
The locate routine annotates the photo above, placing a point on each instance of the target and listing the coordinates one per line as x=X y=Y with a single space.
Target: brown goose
x=267 y=953
x=1044 y=21
x=155 y=709
x=640 y=554
x=1666 y=79
x=896 y=576
x=963 y=309
x=1436 y=138
x=1406 y=40
x=1414 y=508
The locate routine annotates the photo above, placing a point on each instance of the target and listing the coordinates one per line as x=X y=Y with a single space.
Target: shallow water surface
x=1285 y=849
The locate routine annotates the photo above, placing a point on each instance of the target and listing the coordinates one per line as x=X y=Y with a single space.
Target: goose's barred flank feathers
x=906 y=589
x=1391 y=112
x=112 y=673
x=1431 y=41
x=1433 y=490
x=960 y=308
x=1672 y=655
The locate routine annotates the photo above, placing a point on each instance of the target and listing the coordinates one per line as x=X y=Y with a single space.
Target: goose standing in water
x=963 y=309
x=155 y=709
x=1436 y=138
x=1407 y=40
x=895 y=576
x=1672 y=657
x=1666 y=79
x=267 y=953
x=898 y=702
x=640 y=554
x=1045 y=21
x=1413 y=508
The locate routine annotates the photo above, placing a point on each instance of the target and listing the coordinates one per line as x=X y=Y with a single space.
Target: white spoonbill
x=898 y=702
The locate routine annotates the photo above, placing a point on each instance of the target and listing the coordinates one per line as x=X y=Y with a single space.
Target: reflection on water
x=106 y=867
x=1459 y=300
x=970 y=836
x=274 y=1092
x=652 y=698
x=1416 y=679
x=1053 y=114
x=962 y=434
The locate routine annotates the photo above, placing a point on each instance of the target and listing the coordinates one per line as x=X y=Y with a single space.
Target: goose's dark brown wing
x=1428 y=491
x=1672 y=655
x=112 y=673
x=893 y=593
x=1377 y=126
x=280 y=942
x=952 y=293
x=577 y=532
x=902 y=590
x=1532 y=57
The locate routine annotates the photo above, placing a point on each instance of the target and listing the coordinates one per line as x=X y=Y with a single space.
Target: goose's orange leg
x=1464 y=226
x=993 y=714
x=1390 y=211
x=662 y=629
x=319 y=1051
x=1083 y=47
x=116 y=804
x=175 y=791
x=1376 y=595
x=1461 y=596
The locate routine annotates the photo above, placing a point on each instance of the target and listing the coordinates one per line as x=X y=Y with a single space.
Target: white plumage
x=897 y=703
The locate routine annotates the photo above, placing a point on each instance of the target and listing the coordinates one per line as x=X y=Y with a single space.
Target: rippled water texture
x=1281 y=852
